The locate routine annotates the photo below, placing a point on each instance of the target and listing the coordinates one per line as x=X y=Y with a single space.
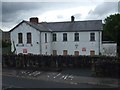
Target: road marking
x=66 y=77
x=62 y=77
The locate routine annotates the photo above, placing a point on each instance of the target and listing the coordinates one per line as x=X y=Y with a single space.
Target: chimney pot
x=72 y=18
x=34 y=20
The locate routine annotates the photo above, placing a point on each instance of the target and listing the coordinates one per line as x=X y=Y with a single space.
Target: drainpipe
x=99 y=42
x=40 y=45
x=51 y=43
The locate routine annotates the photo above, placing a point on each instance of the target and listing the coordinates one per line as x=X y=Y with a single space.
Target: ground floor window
x=46 y=53
x=65 y=52
x=54 y=52
x=76 y=53
x=92 y=52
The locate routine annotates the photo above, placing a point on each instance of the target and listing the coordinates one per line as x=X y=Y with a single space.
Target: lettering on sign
x=84 y=49
x=24 y=50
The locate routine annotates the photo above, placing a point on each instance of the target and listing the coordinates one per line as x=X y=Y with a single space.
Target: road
x=41 y=79
x=17 y=82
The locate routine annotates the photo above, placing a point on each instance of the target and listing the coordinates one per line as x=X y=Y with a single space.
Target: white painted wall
x=70 y=45
x=25 y=28
x=109 y=49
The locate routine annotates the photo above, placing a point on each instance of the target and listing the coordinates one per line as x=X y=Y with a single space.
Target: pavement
x=66 y=76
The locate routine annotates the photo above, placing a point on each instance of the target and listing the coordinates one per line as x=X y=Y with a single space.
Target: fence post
x=93 y=68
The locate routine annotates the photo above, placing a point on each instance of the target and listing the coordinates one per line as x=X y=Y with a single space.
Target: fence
x=107 y=67
x=48 y=61
x=101 y=65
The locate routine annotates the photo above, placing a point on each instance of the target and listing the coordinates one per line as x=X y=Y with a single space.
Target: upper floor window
x=20 y=38
x=76 y=36
x=45 y=37
x=54 y=37
x=92 y=36
x=29 y=38
x=64 y=36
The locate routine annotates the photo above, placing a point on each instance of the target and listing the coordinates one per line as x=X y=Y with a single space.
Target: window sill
x=20 y=44
x=29 y=44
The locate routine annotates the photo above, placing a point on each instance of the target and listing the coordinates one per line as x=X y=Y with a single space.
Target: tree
x=111 y=29
x=6 y=44
x=6 y=47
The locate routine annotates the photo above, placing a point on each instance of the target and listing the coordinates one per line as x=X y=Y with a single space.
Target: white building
x=58 y=38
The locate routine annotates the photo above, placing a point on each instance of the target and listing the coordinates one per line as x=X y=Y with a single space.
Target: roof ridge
x=69 y=21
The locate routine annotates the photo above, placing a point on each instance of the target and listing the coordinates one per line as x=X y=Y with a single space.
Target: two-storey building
x=57 y=38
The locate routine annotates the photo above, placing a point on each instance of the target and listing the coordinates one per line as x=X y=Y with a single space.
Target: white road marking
x=48 y=76
x=66 y=77
x=62 y=77
x=57 y=75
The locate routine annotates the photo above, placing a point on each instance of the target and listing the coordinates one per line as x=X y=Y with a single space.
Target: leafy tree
x=6 y=44
x=111 y=29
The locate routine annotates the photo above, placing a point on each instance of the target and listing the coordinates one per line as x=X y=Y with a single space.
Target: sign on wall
x=24 y=50
x=84 y=49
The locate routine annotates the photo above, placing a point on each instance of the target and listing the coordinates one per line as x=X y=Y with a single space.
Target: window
x=65 y=52
x=20 y=38
x=76 y=53
x=92 y=36
x=54 y=37
x=92 y=52
x=29 y=38
x=64 y=36
x=54 y=52
x=76 y=35
x=45 y=37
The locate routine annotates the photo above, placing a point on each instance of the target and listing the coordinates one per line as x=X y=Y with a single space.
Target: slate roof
x=74 y=26
x=39 y=27
x=91 y=25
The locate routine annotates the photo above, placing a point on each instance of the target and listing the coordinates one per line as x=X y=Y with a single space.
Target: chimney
x=72 y=18
x=34 y=20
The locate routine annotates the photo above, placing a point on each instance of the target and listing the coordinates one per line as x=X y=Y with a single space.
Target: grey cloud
x=11 y=7
x=102 y=10
x=12 y=10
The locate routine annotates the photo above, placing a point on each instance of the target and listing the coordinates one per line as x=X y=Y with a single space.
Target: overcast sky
x=14 y=12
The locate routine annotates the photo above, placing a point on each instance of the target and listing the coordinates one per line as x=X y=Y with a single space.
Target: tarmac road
x=12 y=78
x=17 y=82
x=26 y=79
